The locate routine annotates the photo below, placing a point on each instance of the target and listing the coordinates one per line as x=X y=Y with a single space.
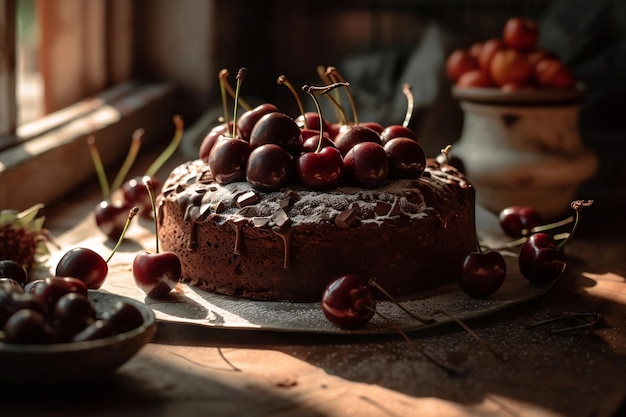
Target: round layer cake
x=410 y=235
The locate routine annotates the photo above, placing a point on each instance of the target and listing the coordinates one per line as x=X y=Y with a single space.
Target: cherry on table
x=111 y=217
x=134 y=194
x=84 y=264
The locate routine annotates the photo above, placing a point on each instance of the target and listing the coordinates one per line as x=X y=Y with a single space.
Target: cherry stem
x=408 y=92
x=132 y=213
x=309 y=91
x=548 y=226
x=422 y=320
x=449 y=370
x=135 y=144
x=445 y=151
x=233 y=94
x=171 y=148
x=335 y=75
x=472 y=333
x=97 y=162
x=148 y=184
x=341 y=114
x=241 y=74
x=223 y=75
x=282 y=80
x=334 y=98
x=229 y=363
x=578 y=206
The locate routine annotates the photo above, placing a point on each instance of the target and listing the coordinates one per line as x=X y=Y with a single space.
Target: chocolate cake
x=410 y=235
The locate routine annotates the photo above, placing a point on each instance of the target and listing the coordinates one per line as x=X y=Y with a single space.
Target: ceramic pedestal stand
x=523 y=148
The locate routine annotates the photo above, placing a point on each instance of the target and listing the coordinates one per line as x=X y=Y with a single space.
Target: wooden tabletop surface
x=192 y=370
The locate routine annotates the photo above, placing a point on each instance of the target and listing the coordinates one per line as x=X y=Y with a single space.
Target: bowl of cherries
x=56 y=330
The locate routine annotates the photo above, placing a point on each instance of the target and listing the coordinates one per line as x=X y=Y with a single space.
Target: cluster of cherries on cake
x=511 y=62
x=270 y=149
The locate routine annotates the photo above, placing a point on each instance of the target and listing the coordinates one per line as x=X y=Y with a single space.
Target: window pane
x=29 y=82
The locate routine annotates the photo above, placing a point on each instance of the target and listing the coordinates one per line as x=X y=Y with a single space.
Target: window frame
x=43 y=160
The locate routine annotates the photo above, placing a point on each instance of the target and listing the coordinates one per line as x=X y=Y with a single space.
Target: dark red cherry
x=321 y=170
x=347 y=301
x=13 y=301
x=84 y=264
x=98 y=329
x=135 y=193
x=453 y=161
x=279 y=129
x=247 y=121
x=517 y=220
x=123 y=316
x=27 y=326
x=270 y=168
x=366 y=165
x=13 y=270
x=406 y=158
x=483 y=273
x=216 y=133
x=156 y=274
x=540 y=260
x=51 y=289
x=350 y=135
x=72 y=313
x=228 y=160
x=397 y=131
x=376 y=127
x=311 y=143
x=111 y=218
x=312 y=121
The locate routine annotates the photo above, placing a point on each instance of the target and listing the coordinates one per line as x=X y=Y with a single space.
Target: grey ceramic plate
x=71 y=362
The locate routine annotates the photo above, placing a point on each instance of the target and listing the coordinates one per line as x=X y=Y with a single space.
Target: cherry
x=13 y=270
x=51 y=289
x=402 y=131
x=270 y=167
x=123 y=316
x=12 y=301
x=517 y=221
x=72 y=313
x=86 y=264
x=228 y=160
x=482 y=274
x=215 y=134
x=322 y=167
x=347 y=301
x=229 y=156
x=313 y=122
x=156 y=274
x=376 y=127
x=406 y=158
x=311 y=142
x=27 y=326
x=99 y=329
x=540 y=260
x=277 y=128
x=248 y=120
x=110 y=218
x=366 y=165
x=351 y=135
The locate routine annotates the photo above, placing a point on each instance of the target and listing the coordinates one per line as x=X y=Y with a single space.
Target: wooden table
x=191 y=370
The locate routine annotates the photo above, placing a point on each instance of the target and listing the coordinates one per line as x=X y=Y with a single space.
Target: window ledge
x=53 y=157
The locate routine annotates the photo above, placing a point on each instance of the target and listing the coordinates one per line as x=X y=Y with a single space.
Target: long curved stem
x=135 y=144
x=284 y=81
x=97 y=162
x=171 y=148
x=332 y=71
x=132 y=213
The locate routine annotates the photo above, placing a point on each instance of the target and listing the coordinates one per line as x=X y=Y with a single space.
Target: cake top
x=201 y=198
